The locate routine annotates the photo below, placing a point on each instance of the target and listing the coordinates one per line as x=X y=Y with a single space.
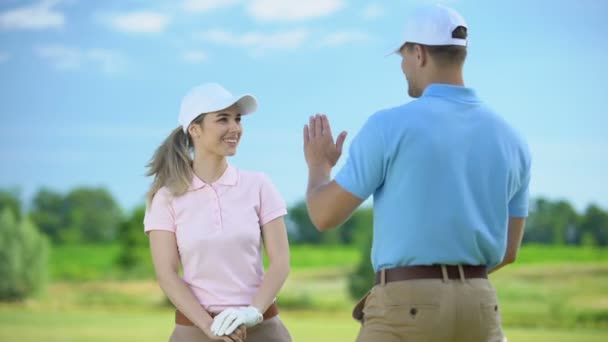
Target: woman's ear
x=194 y=130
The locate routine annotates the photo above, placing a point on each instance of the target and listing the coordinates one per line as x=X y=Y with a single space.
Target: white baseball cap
x=432 y=25
x=212 y=97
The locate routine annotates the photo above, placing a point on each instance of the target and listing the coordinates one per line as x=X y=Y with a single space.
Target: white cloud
x=33 y=17
x=207 y=5
x=61 y=57
x=109 y=61
x=194 y=56
x=344 y=37
x=137 y=22
x=293 y=10
x=4 y=56
x=257 y=42
x=68 y=58
x=372 y=11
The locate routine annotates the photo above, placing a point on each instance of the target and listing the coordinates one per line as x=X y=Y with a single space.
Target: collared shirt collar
x=228 y=178
x=454 y=92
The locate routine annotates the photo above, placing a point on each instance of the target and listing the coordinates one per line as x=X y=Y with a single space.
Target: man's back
x=451 y=170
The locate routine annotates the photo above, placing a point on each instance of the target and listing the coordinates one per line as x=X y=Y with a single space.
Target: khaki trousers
x=430 y=310
x=270 y=330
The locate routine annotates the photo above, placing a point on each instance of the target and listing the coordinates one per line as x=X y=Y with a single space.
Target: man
x=450 y=184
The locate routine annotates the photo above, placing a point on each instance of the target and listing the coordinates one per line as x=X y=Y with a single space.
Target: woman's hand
x=238 y=335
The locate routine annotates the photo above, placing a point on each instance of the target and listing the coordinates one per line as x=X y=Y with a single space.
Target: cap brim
x=395 y=50
x=247 y=104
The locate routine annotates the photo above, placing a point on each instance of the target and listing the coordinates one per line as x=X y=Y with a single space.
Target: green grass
x=83 y=262
x=95 y=262
x=554 y=295
x=550 y=294
x=28 y=325
x=547 y=295
x=534 y=254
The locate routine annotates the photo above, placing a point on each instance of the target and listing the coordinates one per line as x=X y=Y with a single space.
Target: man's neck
x=451 y=77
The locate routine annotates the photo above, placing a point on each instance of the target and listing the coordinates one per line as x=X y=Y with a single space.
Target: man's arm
x=328 y=203
x=515 y=235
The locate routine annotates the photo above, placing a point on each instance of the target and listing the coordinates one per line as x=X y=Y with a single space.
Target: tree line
x=92 y=215
x=88 y=215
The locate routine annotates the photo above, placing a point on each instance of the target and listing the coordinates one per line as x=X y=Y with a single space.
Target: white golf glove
x=230 y=319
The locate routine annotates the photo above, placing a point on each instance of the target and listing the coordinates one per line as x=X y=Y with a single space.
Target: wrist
x=205 y=323
x=255 y=312
x=319 y=168
x=317 y=176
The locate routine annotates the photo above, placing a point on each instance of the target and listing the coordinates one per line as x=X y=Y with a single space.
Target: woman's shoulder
x=163 y=195
x=251 y=176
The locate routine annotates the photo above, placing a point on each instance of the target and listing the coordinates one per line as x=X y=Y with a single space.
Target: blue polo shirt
x=446 y=173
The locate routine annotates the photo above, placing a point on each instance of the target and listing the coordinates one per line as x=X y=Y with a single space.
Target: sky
x=89 y=89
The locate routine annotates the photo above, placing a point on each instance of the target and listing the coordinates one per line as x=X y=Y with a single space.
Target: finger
x=236 y=336
x=226 y=323
x=243 y=329
x=340 y=141
x=326 y=126
x=235 y=324
x=306 y=137
x=218 y=320
x=318 y=126
x=311 y=127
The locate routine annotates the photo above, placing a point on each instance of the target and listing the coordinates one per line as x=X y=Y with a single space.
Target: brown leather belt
x=430 y=272
x=181 y=319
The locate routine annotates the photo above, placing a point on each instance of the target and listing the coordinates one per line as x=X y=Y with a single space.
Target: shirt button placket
x=217 y=210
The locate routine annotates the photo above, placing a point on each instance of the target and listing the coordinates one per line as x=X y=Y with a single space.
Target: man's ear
x=421 y=55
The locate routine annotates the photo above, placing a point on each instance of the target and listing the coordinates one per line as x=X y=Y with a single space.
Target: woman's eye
x=238 y=119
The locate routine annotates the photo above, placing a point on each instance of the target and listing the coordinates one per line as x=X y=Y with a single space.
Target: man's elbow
x=510 y=258
x=320 y=217
x=322 y=224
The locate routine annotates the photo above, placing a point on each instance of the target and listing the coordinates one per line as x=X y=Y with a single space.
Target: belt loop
x=461 y=272
x=383 y=277
x=444 y=273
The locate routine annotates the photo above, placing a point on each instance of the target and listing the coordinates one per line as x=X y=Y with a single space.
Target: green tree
x=49 y=213
x=92 y=216
x=361 y=222
x=595 y=225
x=362 y=278
x=23 y=257
x=10 y=199
x=552 y=222
x=83 y=215
x=132 y=241
x=305 y=231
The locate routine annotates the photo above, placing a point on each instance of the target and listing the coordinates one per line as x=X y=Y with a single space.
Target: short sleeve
x=520 y=201
x=364 y=171
x=272 y=204
x=159 y=212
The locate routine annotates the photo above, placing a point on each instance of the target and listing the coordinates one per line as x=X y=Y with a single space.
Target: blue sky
x=91 y=88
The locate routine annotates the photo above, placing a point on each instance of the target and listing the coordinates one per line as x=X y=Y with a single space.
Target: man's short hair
x=447 y=55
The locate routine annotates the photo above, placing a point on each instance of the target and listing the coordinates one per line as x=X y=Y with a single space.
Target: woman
x=212 y=218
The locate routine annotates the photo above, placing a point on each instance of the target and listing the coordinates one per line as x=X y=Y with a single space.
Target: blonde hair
x=171 y=164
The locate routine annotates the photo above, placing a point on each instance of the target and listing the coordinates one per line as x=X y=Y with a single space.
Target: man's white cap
x=212 y=97
x=432 y=25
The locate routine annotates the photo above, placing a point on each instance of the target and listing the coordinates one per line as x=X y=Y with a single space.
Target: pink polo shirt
x=218 y=231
